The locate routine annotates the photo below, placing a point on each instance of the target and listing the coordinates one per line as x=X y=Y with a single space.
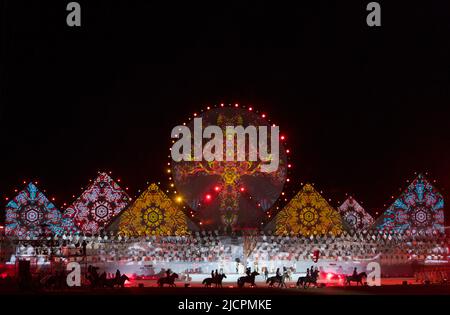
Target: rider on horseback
x=278 y=274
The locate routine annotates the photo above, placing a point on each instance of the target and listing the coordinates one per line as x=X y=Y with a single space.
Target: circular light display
x=233 y=192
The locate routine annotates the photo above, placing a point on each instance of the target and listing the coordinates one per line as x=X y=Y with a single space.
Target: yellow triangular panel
x=308 y=213
x=153 y=213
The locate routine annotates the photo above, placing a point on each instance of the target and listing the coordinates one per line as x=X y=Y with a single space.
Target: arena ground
x=389 y=286
x=199 y=291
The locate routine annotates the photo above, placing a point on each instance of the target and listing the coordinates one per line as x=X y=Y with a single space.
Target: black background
x=363 y=108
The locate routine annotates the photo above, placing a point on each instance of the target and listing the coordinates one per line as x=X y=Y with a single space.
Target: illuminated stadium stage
x=145 y=237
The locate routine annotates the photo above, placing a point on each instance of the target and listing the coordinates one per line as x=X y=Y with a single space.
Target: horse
x=216 y=280
x=170 y=280
x=281 y=280
x=358 y=278
x=53 y=281
x=247 y=279
x=308 y=280
x=121 y=280
x=93 y=277
x=288 y=275
x=113 y=282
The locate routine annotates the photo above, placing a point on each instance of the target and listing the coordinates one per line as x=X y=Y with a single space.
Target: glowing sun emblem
x=153 y=216
x=308 y=216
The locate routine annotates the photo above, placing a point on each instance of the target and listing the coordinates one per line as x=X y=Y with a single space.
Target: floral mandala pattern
x=419 y=209
x=308 y=213
x=31 y=215
x=153 y=213
x=354 y=215
x=153 y=217
x=96 y=207
x=308 y=216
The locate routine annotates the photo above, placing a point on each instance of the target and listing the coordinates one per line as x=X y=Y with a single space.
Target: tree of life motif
x=230 y=193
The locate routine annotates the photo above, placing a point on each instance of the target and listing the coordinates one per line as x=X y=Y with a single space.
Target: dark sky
x=363 y=108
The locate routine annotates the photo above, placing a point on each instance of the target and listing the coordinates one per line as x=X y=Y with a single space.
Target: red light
x=282 y=137
x=242 y=189
x=208 y=197
x=263 y=115
x=329 y=276
x=236 y=105
x=216 y=188
x=287 y=151
x=289 y=165
x=250 y=108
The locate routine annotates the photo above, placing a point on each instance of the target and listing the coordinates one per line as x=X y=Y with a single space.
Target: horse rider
x=316 y=272
x=248 y=271
x=212 y=275
x=278 y=273
x=168 y=272
x=308 y=274
x=216 y=275
x=355 y=273
x=118 y=275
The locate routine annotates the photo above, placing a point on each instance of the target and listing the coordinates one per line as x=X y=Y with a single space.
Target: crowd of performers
x=265 y=253
x=262 y=249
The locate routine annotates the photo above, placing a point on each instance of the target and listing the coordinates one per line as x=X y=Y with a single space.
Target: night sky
x=362 y=108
